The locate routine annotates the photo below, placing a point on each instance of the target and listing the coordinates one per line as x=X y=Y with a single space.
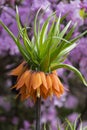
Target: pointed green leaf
x=43 y=32
x=57 y=26
x=44 y=28
x=60 y=59
x=27 y=37
x=69 y=124
x=63 y=17
x=9 y=32
x=61 y=34
x=29 y=49
x=67 y=37
x=52 y=27
x=23 y=51
x=48 y=42
x=67 y=50
x=69 y=34
x=78 y=37
x=18 y=19
x=35 y=23
x=20 y=27
x=26 y=43
x=57 y=53
x=16 y=40
x=75 y=123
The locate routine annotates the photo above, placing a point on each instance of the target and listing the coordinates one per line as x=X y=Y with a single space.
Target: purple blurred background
x=16 y=115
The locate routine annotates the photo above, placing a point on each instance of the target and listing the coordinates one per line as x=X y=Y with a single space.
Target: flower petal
x=21 y=81
x=44 y=96
x=61 y=86
x=36 y=80
x=43 y=78
x=27 y=80
x=43 y=89
x=55 y=83
x=24 y=93
x=49 y=81
x=17 y=70
x=56 y=93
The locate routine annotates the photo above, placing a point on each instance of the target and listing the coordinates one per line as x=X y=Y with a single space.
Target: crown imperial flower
x=34 y=84
x=46 y=52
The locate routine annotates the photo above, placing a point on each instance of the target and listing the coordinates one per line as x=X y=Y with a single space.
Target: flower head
x=35 y=84
x=43 y=54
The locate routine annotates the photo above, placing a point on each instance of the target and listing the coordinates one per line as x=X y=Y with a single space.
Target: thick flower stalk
x=43 y=54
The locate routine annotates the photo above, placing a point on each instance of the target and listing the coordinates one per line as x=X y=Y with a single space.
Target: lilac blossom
x=72 y=9
x=83 y=5
x=6 y=43
x=27 y=13
x=15 y=120
x=26 y=125
x=49 y=112
x=59 y=102
x=79 y=56
x=71 y=102
x=83 y=66
x=72 y=117
x=2 y=2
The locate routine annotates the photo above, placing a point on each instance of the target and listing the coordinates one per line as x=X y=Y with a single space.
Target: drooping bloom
x=43 y=54
x=35 y=84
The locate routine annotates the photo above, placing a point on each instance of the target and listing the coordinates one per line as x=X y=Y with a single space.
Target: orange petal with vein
x=17 y=70
x=43 y=78
x=55 y=84
x=49 y=81
x=21 y=81
x=61 y=86
x=43 y=95
x=24 y=93
x=44 y=89
x=36 y=80
x=56 y=93
x=27 y=80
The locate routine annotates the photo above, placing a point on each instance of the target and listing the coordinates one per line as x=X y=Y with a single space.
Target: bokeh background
x=17 y=115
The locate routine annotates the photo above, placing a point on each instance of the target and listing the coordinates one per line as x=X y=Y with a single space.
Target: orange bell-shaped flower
x=35 y=84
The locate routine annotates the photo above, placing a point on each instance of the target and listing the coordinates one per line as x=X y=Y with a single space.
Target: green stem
x=38 y=112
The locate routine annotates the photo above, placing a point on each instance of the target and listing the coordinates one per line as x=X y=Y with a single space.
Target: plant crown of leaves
x=49 y=46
